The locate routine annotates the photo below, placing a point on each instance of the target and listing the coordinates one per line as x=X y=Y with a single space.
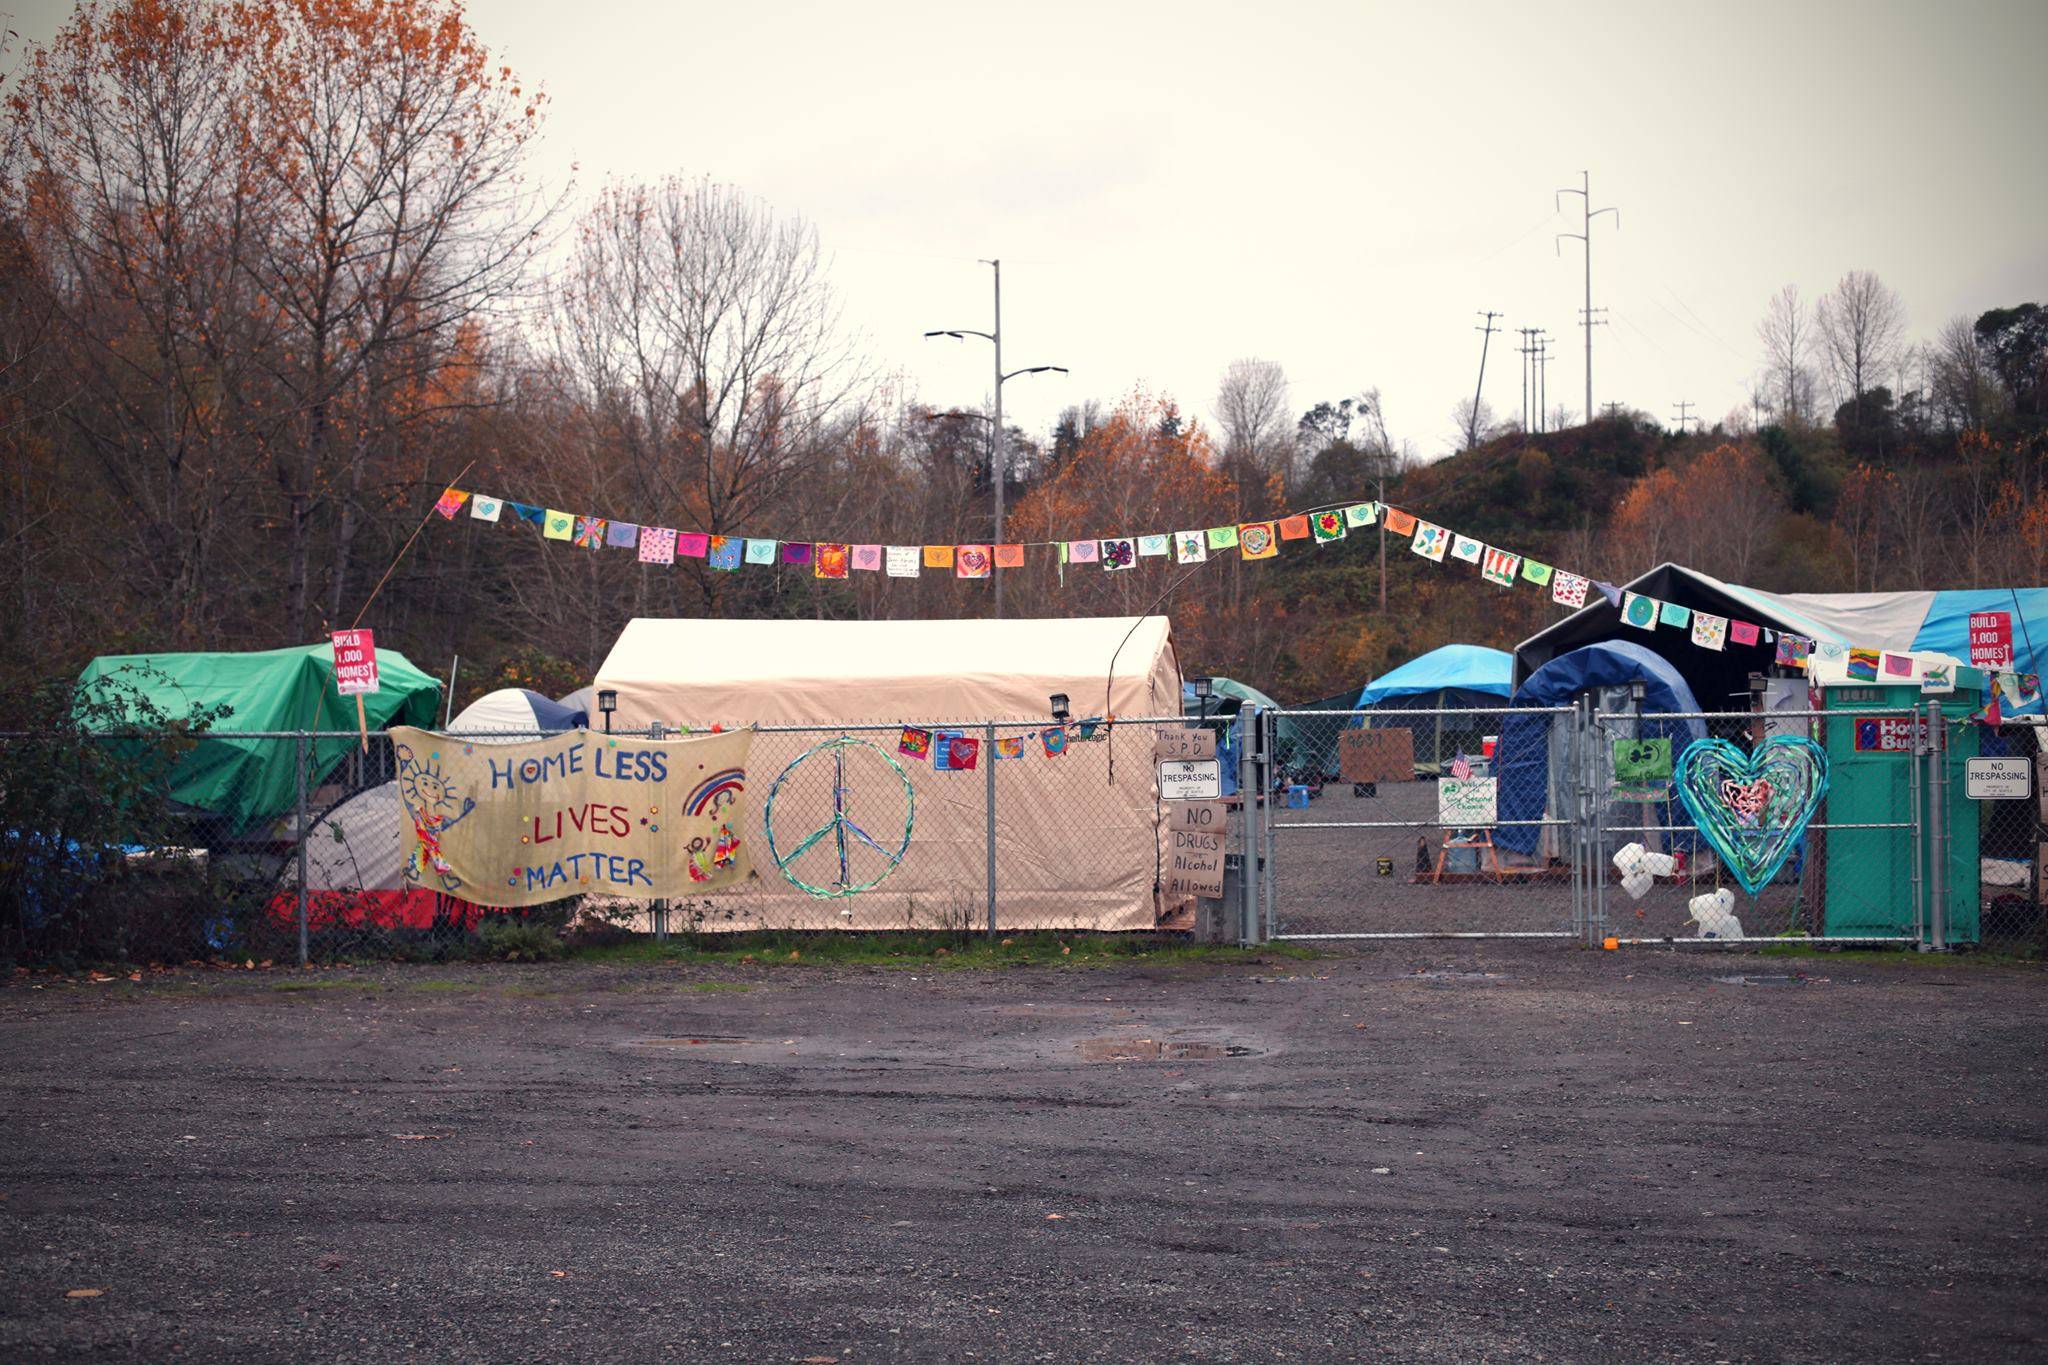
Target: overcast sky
x=1335 y=187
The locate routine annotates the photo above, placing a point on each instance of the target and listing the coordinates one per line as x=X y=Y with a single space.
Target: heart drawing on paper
x=1752 y=808
x=974 y=562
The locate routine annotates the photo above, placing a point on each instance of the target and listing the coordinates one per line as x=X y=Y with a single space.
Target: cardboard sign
x=1184 y=744
x=1991 y=639
x=1386 y=755
x=1998 y=779
x=1198 y=779
x=1889 y=734
x=1467 y=803
x=355 y=662
x=1196 y=832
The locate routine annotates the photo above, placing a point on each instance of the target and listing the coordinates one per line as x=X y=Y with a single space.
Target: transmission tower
x=1589 y=315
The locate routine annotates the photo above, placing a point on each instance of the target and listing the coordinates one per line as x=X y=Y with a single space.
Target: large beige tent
x=1077 y=836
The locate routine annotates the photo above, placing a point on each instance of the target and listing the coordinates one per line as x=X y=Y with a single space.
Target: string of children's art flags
x=1319 y=526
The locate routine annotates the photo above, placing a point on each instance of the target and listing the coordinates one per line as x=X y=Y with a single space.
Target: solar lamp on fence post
x=1058 y=702
x=1205 y=687
x=607 y=702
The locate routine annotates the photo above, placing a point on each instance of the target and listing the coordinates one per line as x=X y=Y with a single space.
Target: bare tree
x=1966 y=390
x=1860 y=326
x=701 y=343
x=1252 y=419
x=1787 y=334
x=1475 y=416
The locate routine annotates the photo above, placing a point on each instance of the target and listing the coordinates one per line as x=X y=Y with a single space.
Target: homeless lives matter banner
x=532 y=822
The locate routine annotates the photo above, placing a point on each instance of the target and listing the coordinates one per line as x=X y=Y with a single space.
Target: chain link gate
x=1396 y=824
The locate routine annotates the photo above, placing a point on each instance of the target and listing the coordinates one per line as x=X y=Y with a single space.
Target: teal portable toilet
x=1867 y=882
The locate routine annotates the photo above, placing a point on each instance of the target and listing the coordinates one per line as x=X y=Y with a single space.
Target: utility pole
x=1588 y=315
x=1472 y=427
x=1684 y=416
x=1542 y=381
x=1527 y=349
x=1611 y=409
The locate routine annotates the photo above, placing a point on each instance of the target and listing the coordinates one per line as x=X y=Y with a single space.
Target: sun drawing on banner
x=430 y=800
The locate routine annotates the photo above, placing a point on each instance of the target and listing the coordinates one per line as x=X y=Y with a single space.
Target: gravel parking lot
x=1426 y=1151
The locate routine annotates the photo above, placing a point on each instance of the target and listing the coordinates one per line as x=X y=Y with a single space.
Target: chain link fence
x=1556 y=823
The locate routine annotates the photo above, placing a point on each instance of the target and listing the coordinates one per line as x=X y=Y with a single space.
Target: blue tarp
x=1522 y=758
x=1473 y=668
x=1947 y=628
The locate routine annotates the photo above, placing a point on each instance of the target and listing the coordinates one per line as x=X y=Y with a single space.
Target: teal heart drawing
x=1752 y=807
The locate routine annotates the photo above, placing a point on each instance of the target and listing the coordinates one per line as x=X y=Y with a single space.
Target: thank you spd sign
x=355 y=662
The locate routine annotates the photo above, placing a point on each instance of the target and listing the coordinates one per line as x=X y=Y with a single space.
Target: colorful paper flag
x=1190 y=547
x=1361 y=514
x=961 y=752
x=1119 y=552
x=1009 y=556
x=760 y=551
x=914 y=743
x=1010 y=746
x=1500 y=567
x=1639 y=611
x=725 y=552
x=590 y=532
x=938 y=556
x=1569 y=589
x=1430 y=540
x=1898 y=665
x=796 y=553
x=867 y=558
x=1742 y=632
x=622 y=535
x=1152 y=545
x=1466 y=548
x=693 y=545
x=1327 y=526
x=1055 y=742
x=1255 y=540
x=972 y=561
x=1863 y=665
x=2028 y=688
x=1294 y=528
x=902 y=561
x=450 y=502
x=485 y=509
x=657 y=545
x=1222 y=537
x=1533 y=572
x=831 y=560
x=537 y=515
x=1671 y=614
x=560 y=525
x=1399 y=522
x=1709 y=631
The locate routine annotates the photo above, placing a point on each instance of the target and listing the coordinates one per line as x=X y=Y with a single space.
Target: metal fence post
x=1916 y=775
x=988 y=761
x=1937 y=827
x=304 y=834
x=1269 y=866
x=1248 y=831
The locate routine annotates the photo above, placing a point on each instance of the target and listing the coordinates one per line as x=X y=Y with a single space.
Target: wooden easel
x=1483 y=839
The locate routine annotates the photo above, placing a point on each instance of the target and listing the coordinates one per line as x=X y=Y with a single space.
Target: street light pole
x=998 y=469
x=998 y=462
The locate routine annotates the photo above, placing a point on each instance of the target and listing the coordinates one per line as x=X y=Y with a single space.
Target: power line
x=1588 y=315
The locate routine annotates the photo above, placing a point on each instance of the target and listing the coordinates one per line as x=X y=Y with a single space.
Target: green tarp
x=253 y=781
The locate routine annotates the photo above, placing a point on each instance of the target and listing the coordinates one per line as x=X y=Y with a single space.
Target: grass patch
x=328 y=984
x=928 y=950
x=1902 y=956
x=720 y=987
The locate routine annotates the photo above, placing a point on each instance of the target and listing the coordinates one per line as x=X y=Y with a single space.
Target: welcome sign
x=528 y=823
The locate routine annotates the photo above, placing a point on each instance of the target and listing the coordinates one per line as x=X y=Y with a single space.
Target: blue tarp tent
x=1466 y=675
x=1227 y=697
x=1522 y=759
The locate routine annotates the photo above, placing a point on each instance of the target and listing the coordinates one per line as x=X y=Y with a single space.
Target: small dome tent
x=1454 y=678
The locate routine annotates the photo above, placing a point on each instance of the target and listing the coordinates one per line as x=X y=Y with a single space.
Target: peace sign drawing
x=853 y=859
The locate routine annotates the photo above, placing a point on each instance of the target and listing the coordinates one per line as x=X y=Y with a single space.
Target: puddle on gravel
x=701 y=1040
x=1741 y=980
x=1445 y=980
x=1159 y=1050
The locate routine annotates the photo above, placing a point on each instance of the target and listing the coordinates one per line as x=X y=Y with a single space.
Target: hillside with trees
x=274 y=274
